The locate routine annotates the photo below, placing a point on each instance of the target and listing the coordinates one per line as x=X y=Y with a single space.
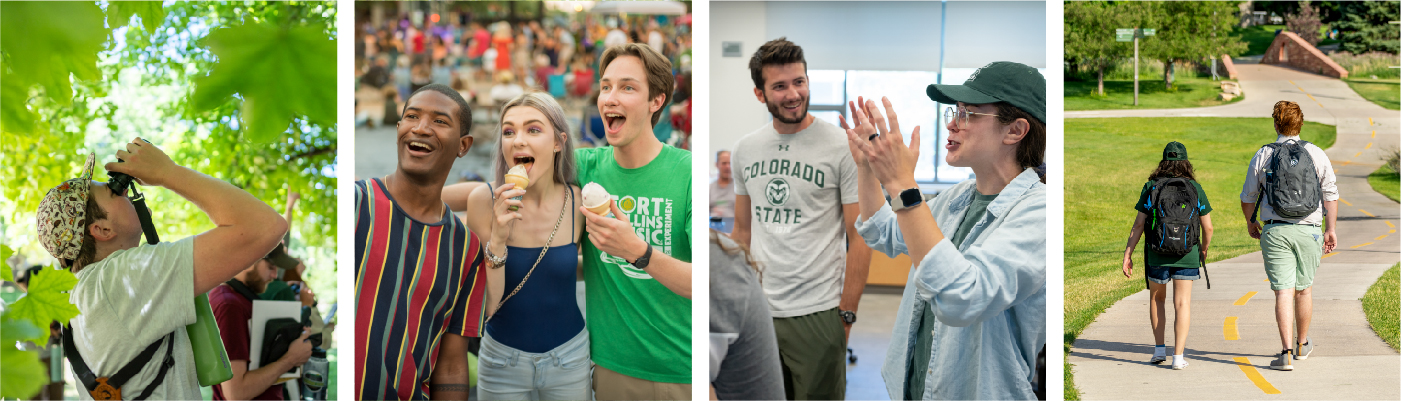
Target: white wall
x=733 y=110
x=889 y=36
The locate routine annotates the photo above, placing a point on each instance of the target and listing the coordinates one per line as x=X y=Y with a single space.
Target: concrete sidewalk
x=1233 y=333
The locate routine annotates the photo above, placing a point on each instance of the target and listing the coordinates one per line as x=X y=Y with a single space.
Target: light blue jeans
x=563 y=373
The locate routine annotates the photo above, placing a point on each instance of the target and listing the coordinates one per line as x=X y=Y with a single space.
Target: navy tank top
x=545 y=313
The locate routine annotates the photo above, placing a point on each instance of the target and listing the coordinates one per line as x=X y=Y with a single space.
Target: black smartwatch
x=641 y=263
x=906 y=199
x=848 y=317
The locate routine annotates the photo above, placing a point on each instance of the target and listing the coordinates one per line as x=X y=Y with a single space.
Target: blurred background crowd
x=493 y=51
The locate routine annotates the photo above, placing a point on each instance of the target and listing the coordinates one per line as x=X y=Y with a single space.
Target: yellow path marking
x=1358 y=154
x=1388 y=224
x=1245 y=298
x=1379 y=238
x=1347 y=162
x=1369 y=145
x=1369 y=121
x=1374 y=133
x=1330 y=255
x=1345 y=202
x=1365 y=212
x=1361 y=245
x=1229 y=330
x=1254 y=375
x=1310 y=97
x=1391 y=232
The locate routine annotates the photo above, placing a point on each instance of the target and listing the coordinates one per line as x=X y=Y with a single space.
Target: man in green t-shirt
x=637 y=259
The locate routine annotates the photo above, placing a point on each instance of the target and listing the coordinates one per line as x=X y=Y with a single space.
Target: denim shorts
x=1162 y=274
x=563 y=373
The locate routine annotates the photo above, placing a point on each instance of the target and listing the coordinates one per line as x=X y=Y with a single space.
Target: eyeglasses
x=962 y=114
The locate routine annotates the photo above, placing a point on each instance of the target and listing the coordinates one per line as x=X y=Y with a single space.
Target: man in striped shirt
x=419 y=280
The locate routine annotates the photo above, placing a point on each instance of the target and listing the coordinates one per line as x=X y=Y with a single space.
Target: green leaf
x=12 y=330
x=119 y=13
x=59 y=39
x=7 y=273
x=46 y=301
x=15 y=115
x=23 y=374
x=280 y=72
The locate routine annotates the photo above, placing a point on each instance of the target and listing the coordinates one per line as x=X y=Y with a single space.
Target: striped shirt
x=414 y=281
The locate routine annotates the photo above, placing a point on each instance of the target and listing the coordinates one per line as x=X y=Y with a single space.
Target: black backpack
x=1174 y=223
x=1291 y=182
x=110 y=387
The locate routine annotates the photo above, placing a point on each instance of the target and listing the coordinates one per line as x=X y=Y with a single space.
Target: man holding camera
x=233 y=308
x=132 y=297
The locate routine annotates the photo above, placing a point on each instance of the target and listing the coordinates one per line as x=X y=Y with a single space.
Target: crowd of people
x=489 y=62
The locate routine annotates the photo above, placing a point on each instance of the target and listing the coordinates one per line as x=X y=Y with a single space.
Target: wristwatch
x=848 y=317
x=641 y=263
x=907 y=199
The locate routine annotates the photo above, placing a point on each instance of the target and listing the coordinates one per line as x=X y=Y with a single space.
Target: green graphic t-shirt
x=637 y=326
x=1192 y=258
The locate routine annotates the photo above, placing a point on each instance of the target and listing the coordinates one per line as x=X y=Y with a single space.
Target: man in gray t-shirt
x=795 y=207
x=722 y=190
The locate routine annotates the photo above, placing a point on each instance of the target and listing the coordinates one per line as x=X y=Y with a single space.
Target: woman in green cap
x=972 y=319
x=1174 y=211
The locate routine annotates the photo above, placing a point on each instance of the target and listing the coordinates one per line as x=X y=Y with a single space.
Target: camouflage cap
x=61 y=214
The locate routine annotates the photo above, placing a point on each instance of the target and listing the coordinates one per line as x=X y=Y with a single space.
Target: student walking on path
x=1292 y=204
x=1171 y=190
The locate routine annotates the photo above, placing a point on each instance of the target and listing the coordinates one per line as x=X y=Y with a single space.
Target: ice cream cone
x=596 y=199
x=517 y=175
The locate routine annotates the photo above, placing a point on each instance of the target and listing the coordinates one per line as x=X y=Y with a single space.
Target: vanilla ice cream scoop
x=518 y=175
x=596 y=198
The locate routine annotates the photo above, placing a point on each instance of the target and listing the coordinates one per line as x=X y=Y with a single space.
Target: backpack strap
x=1260 y=197
x=104 y=388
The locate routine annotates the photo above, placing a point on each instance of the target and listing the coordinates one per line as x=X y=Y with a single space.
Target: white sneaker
x=1178 y=362
x=1159 y=355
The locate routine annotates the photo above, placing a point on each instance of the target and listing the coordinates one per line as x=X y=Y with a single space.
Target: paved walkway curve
x=1233 y=334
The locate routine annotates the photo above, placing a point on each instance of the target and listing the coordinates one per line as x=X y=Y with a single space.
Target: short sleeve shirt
x=233 y=311
x=131 y=299
x=637 y=326
x=414 y=282
x=1193 y=258
x=797 y=184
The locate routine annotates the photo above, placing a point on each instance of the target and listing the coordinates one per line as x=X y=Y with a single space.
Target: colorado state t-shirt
x=637 y=326
x=797 y=184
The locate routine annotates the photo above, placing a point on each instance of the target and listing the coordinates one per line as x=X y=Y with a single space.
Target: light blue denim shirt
x=988 y=294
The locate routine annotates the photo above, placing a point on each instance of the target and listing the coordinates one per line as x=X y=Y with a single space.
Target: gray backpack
x=1291 y=182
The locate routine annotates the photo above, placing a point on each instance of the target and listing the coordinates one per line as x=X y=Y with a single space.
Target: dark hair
x=658 y=68
x=1031 y=151
x=87 y=254
x=1173 y=168
x=464 y=112
x=776 y=52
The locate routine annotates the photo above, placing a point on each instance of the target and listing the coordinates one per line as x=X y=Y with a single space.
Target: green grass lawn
x=1187 y=92
x=1258 y=38
x=1107 y=162
x=1383 y=92
x=1381 y=306
x=1386 y=182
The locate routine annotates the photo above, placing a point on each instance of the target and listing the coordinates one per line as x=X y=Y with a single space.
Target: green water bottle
x=211 y=362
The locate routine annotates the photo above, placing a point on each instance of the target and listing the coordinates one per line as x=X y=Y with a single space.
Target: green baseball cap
x=1175 y=151
x=1001 y=81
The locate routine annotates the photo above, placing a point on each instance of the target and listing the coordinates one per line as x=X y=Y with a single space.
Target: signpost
x=1125 y=35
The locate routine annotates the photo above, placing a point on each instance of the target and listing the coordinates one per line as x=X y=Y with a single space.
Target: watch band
x=642 y=262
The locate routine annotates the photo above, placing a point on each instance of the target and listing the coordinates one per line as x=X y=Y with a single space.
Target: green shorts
x=812 y=349
x=1292 y=254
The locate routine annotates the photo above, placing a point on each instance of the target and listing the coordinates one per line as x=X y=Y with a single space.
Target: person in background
x=744 y=363
x=722 y=191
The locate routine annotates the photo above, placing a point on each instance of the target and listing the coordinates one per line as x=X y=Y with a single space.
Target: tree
x=242 y=91
x=1089 y=36
x=1363 y=27
x=1305 y=23
x=1190 y=31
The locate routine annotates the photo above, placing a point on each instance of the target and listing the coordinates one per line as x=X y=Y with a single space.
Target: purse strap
x=568 y=197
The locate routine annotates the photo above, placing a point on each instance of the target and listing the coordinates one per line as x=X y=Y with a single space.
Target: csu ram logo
x=777 y=192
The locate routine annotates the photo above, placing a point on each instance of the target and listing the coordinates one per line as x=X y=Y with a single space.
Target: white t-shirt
x=131 y=299
x=1255 y=181
x=797 y=185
